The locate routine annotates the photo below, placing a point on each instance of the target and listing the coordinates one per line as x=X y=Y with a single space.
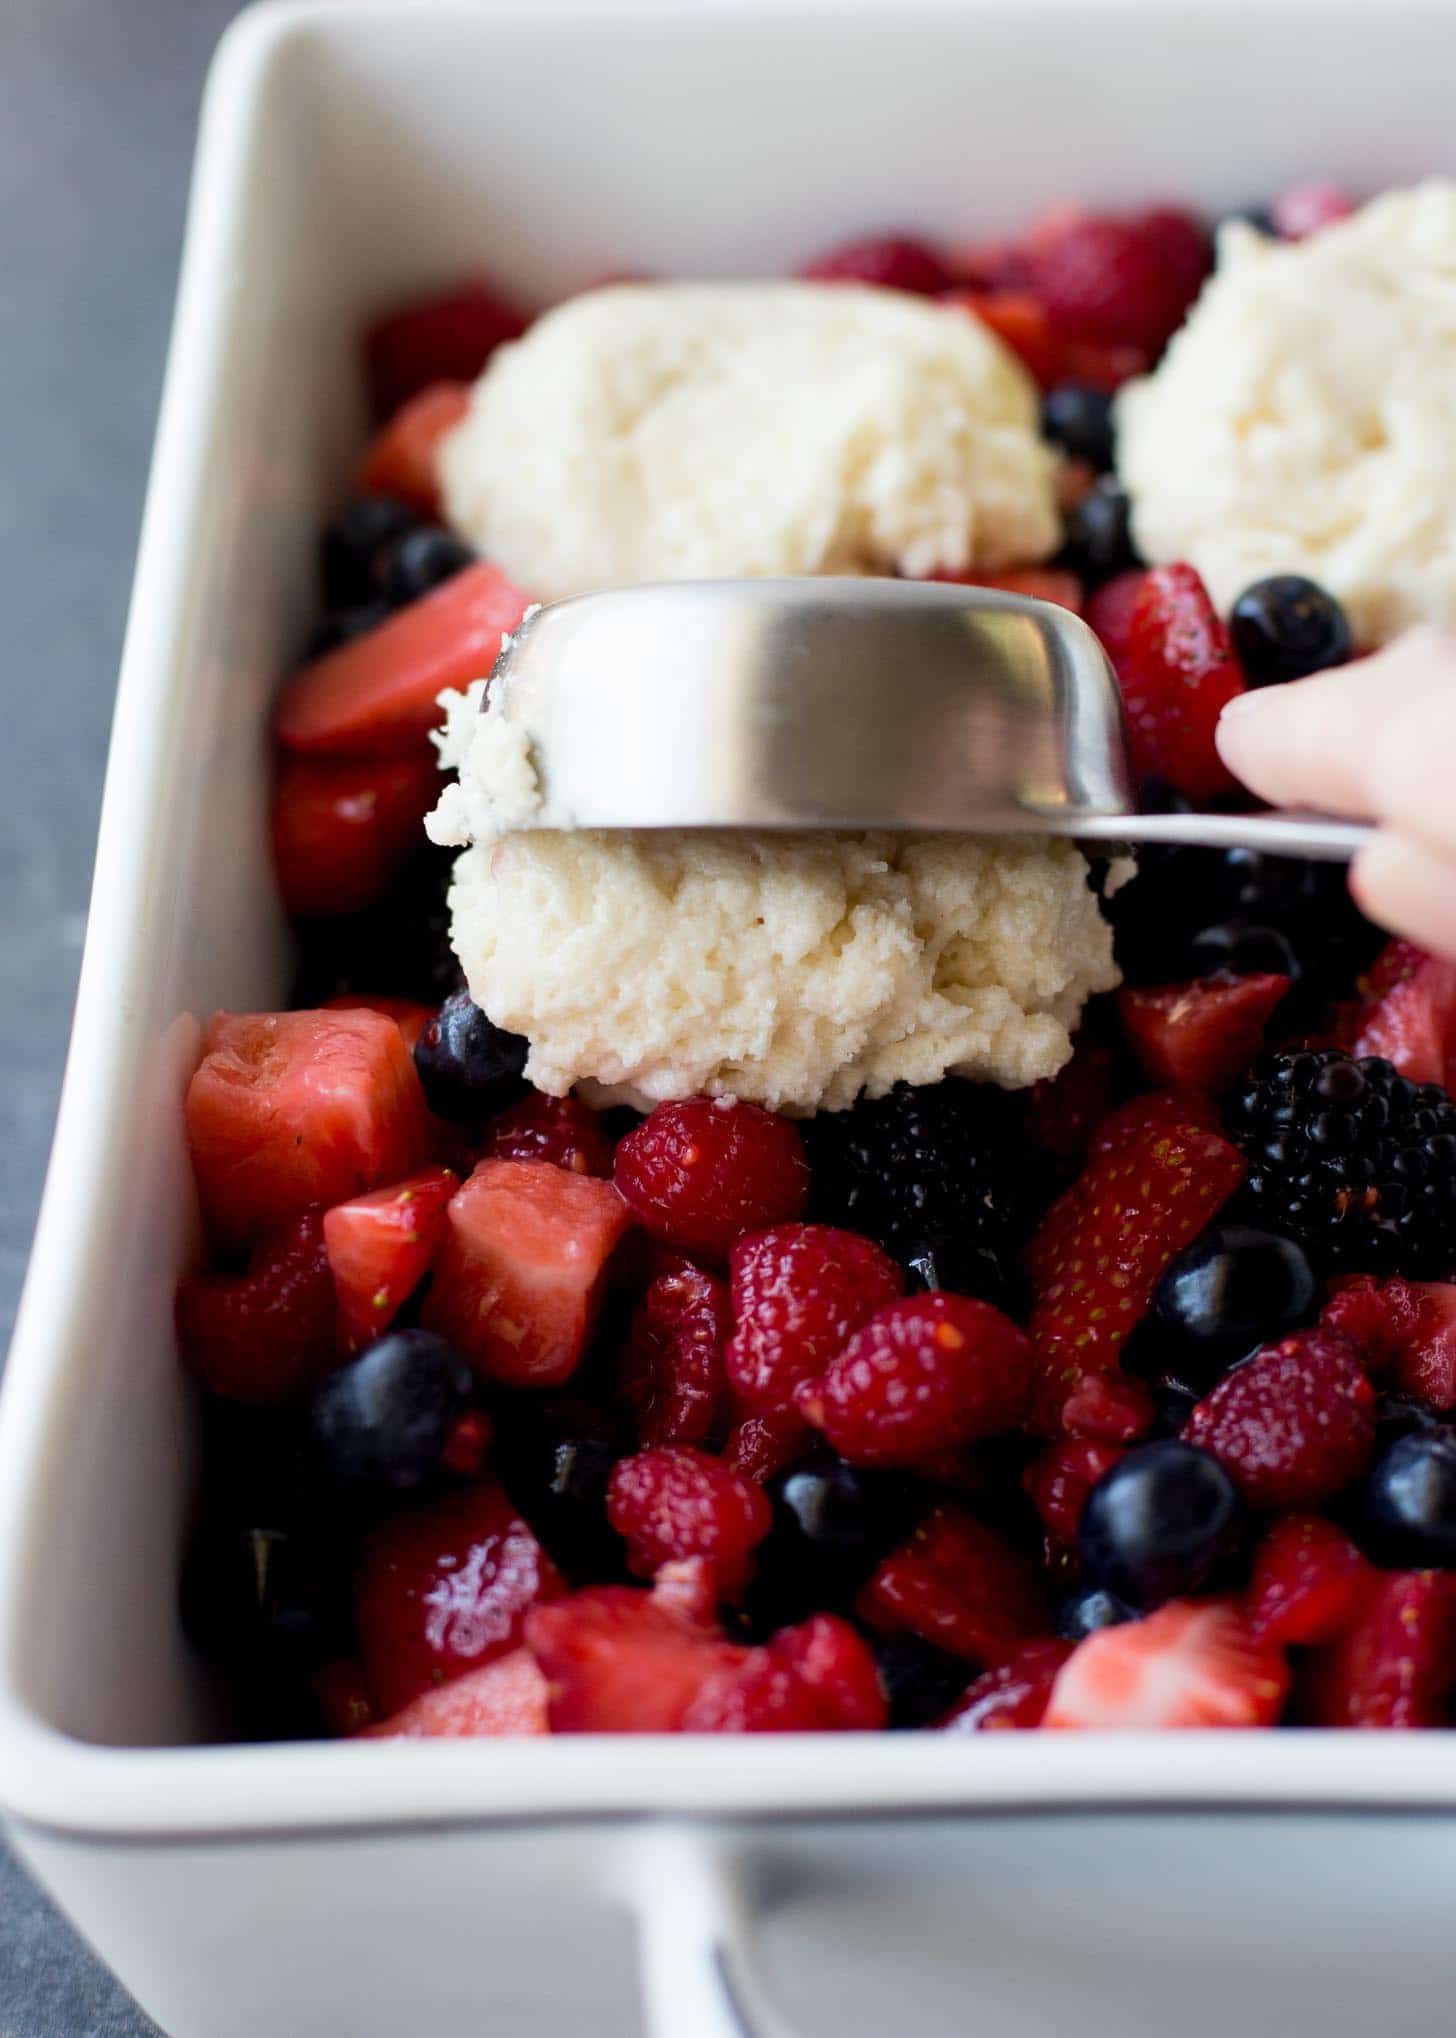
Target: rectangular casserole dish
x=351 y=153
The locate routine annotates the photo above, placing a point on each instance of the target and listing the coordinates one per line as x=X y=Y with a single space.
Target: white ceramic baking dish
x=1022 y=1884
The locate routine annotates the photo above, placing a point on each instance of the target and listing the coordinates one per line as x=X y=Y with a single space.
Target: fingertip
x=1406 y=886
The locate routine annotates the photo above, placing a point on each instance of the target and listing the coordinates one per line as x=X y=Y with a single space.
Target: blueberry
x=342 y=626
x=1411 y=1501
x=381 y=1423
x=355 y=545
x=422 y=560
x=1078 y=418
x=832 y=1524
x=1397 y=1416
x=1286 y=627
x=1084 y=1614
x=920 y=1681
x=1232 y=1289
x=1243 y=948
x=1098 y=535
x=1159 y=1524
x=469 y=1067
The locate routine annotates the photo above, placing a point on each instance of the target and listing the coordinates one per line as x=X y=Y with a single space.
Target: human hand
x=1375 y=740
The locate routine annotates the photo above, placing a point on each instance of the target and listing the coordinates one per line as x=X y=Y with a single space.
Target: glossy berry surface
x=356 y=546
x=1232 y=1289
x=1293 y=1424
x=1243 y=949
x=1411 y=1501
x=381 y=1424
x=1098 y=535
x=886 y=261
x=1287 y=627
x=469 y=1067
x=1159 y=1524
x=799 y=1292
x=561 y=1130
x=1078 y=418
x=672 y=1368
x=672 y=1503
x=699 y=1175
x=420 y=561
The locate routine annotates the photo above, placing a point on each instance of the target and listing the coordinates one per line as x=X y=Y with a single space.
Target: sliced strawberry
x=1199 y=1035
x=1111 y=608
x=291 y=1109
x=265 y=1335
x=445 y=1588
x=1405 y=1331
x=1193 y=1663
x=507 y=1696
x=1122 y=280
x=1407 y=1014
x=814 y=1679
x=1156 y=1174
x=1177 y=674
x=342 y=830
x=409 y=1016
x=957 y=1585
x=445 y=338
x=620 y=1661
x=1395 y=1665
x=378 y=695
x=520 y=1276
x=1013 y=1695
x=1038 y=583
x=380 y=1247
x=1309 y=1582
x=401 y=460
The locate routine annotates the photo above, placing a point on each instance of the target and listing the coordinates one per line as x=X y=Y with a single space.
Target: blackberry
x=936 y=1175
x=1351 y=1160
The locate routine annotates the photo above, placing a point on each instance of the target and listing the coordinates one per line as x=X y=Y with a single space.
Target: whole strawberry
x=1177 y=673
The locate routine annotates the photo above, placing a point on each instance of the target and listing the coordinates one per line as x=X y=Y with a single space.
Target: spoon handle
x=1313 y=835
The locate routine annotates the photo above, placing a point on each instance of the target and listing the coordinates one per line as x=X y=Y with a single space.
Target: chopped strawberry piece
x=506 y=1696
x=267 y=1334
x=1199 y=1035
x=672 y=1368
x=1302 y=209
x=957 y=1585
x=1059 y=1480
x=1103 y=366
x=445 y=1588
x=799 y=1291
x=1309 y=1582
x=1121 y=280
x=380 y=1248
x=1109 y=1408
x=888 y=261
x=410 y=1017
x=402 y=458
x=1404 y=1330
x=343 y=1697
x=561 y=1130
x=818 y=1678
x=1193 y=1663
x=1013 y=1695
x=445 y=338
x=699 y=1174
x=922 y=1375
x=1292 y=1424
x=1111 y=608
x=1407 y=1014
x=291 y=1109
x=378 y=695
x=520 y=1276
x=621 y=1661
x=1061 y=1110
x=1177 y=675
x=1020 y=322
x=759 y=1445
x=342 y=831
x=1395 y=1665
x=1156 y=1174
x=672 y=1503
x=1038 y=583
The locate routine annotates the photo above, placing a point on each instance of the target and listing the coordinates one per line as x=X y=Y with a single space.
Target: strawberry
x=380 y=1248
x=267 y=1334
x=1309 y=1582
x=377 y=696
x=401 y=460
x=799 y=1291
x=1193 y=1663
x=1395 y=1665
x=818 y=1678
x=1059 y=1479
x=504 y=1696
x=672 y=1503
x=343 y=1697
x=622 y=1661
x=1038 y=583
x=445 y=338
x=1020 y=322
x=1156 y=1174
x=342 y=831
x=1407 y=1014
x=1303 y=209
x=1199 y=1035
x=1177 y=675
x=1061 y=1110
x=561 y=1130
x=1294 y=1423
x=520 y=1277
x=672 y=1368
x=291 y=1109
x=701 y=1173
x=1405 y=1332
x=887 y=261
x=1111 y=608
x=957 y=1585
x=1013 y=1695
x=1121 y=280
x=409 y=1016
x=444 y=1588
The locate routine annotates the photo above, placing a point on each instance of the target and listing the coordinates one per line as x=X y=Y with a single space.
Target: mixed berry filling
x=1128 y=1400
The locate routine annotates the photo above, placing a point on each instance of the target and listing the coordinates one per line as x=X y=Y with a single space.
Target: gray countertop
x=98 y=103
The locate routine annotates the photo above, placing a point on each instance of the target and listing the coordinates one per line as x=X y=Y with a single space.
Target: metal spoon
x=848 y=704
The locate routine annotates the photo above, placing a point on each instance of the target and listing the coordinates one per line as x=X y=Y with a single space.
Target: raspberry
x=817 y=1678
x=799 y=1291
x=673 y=1503
x=1309 y=1581
x=921 y=1376
x=1013 y=1695
x=1059 y=1480
x=557 y=1129
x=671 y=1369
x=1291 y=1424
x=1123 y=280
x=699 y=1174
x=1404 y=1329
x=760 y=1445
x=956 y=1585
x=269 y=1333
x=889 y=261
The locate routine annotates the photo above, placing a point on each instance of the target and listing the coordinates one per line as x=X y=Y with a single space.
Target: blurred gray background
x=98 y=103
